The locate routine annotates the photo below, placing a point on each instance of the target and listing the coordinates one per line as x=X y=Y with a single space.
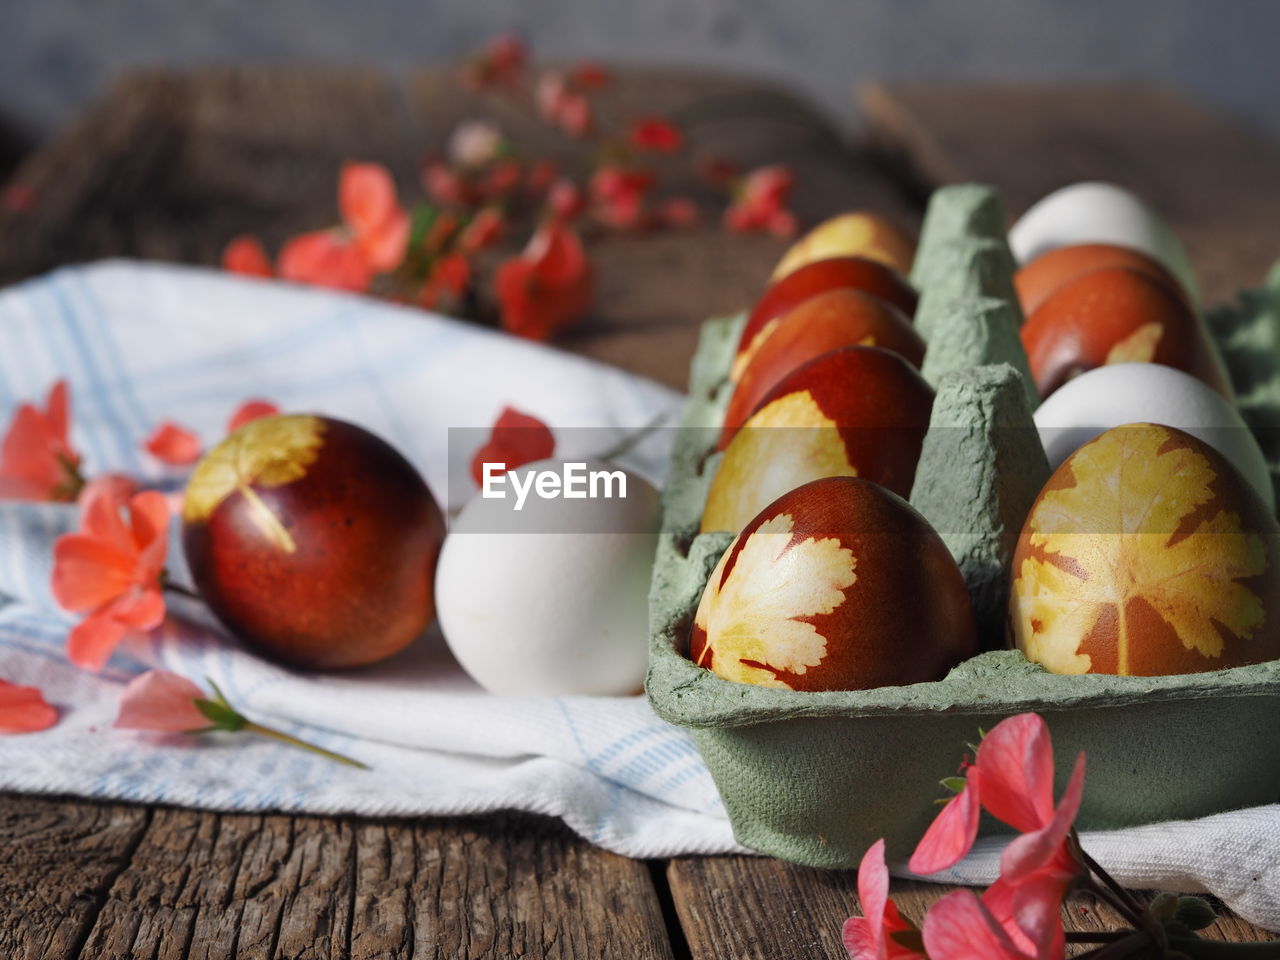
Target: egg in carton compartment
x=817 y=777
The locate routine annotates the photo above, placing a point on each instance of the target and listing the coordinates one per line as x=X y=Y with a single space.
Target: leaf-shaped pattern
x=753 y=621
x=1122 y=532
x=268 y=452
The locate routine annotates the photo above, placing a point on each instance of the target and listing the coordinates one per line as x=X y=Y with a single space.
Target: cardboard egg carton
x=815 y=778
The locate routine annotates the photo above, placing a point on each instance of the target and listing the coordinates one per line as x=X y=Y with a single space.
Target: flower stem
x=1097 y=936
x=1224 y=950
x=1117 y=896
x=292 y=741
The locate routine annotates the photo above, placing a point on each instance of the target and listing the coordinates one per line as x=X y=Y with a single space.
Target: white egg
x=1099 y=213
x=1121 y=393
x=549 y=596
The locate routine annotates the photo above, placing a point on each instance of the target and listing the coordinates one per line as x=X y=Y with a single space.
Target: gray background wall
x=55 y=55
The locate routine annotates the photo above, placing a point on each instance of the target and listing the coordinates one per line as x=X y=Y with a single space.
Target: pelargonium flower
x=111 y=570
x=372 y=239
x=37 y=461
x=657 y=134
x=24 y=710
x=1012 y=778
x=516 y=439
x=870 y=936
x=548 y=286
x=960 y=927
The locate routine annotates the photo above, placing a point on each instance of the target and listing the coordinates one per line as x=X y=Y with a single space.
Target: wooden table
x=169 y=167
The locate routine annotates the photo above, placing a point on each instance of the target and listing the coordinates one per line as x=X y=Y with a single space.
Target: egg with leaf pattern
x=1146 y=553
x=811 y=595
x=313 y=540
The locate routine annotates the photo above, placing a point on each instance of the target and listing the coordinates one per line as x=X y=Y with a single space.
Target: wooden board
x=171 y=166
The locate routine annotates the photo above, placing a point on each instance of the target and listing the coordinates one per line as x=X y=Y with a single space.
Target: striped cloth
x=140 y=343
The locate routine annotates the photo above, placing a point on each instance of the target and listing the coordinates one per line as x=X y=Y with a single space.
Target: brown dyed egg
x=1038 y=280
x=836 y=585
x=1146 y=553
x=828 y=321
x=853 y=412
x=788 y=293
x=858 y=233
x=313 y=540
x=1117 y=315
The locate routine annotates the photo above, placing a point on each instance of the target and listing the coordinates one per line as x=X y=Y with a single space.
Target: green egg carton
x=816 y=778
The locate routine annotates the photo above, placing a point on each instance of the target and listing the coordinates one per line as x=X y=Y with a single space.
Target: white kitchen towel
x=141 y=343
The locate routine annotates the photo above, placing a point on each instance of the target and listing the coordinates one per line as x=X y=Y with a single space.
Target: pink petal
x=383 y=247
x=138 y=609
x=1030 y=913
x=58 y=411
x=92 y=641
x=249 y=411
x=323 y=258
x=953 y=831
x=100 y=516
x=149 y=516
x=246 y=255
x=173 y=444
x=88 y=572
x=863 y=938
x=366 y=197
x=1016 y=760
x=873 y=882
x=958 y=927
x=160 y=700
x=1037 y=849
x=23 y=709
x=27 y=455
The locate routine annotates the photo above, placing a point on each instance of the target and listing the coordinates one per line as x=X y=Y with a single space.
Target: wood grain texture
x=58 y=858
x=1217 y=184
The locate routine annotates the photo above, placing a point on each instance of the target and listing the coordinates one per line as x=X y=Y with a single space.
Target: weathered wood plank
x=761 y=909
x=58 y=857
x=1217 y=184
x=106 y=881
x=515 y=886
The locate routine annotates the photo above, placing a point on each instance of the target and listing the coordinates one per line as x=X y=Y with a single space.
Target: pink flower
x=111 y=570
x=548 y=286
x=620 y=194
x=23 y=709
x=563 y=105
x=760 y=202
x=1012 y=778
x=36 y=458
x=251 y=410
x=960 y=927
x=516 y=439
x=173 y=444
x=160 y=700
x=566 y=200
x=324 y=258
x=869 y=937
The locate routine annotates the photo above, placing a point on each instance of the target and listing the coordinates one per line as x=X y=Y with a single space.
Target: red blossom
x=541 y=175
x=324 y=258
x=760 y=202
x=563 y=105
x=246 y=255
x=620 y=195
x=566 y=199
x=174 y=444
x=111 y=569
x=679 y=212
x=249 y=411
x=37 y=461
x=657 y=134
x=516 y=439
x=24 y=710
x=371 y=211
x=447 y=187
x=548 y=286
x=590 y=75
x=502 y=177
x=499 y=65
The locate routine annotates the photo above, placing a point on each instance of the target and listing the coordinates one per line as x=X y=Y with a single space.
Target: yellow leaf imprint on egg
x=1139 y=346
x=267 y=452
x=785 y=444
x=742 y=360
x=1121 y=529
x=752 y=621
